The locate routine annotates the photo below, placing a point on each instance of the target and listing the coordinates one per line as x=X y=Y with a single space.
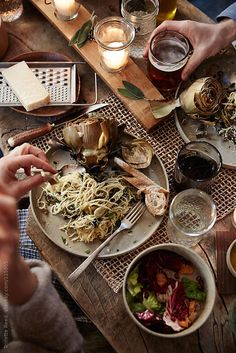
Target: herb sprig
x=159 y=108
x=82 y=34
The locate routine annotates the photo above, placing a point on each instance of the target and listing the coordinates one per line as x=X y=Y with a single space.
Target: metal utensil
x=127 y=223
x=31 y=134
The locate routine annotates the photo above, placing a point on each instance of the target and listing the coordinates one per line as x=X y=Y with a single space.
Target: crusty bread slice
x=155 y=195
x=139 y=178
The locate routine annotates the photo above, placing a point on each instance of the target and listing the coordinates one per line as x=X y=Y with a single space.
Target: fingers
x=179 y=26
x=194 y=61
x=8 y=215
x=26 y=148
x=21 y=187
x=26 y=162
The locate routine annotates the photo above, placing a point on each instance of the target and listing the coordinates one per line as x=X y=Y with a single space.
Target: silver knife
x=31 y=134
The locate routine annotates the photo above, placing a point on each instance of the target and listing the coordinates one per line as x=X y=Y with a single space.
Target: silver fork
x=127 y=223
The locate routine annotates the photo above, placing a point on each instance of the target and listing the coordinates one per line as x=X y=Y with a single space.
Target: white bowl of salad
x=169 y=290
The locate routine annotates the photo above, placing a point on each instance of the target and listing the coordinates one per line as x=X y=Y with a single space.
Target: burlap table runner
x=166 y=142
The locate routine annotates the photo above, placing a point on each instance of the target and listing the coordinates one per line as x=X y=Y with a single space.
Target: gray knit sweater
x=43 y=324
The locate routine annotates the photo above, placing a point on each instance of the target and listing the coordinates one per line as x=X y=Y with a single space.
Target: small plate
x=44 y=57
x=224 y=66
x=124 y=242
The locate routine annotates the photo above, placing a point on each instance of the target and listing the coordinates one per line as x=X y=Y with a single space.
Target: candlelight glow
x=66 y=8
x=115 y=59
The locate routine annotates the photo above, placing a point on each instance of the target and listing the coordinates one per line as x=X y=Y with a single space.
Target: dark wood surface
x=98 y=301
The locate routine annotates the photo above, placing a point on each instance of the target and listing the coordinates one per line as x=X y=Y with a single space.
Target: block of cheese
x=28 y=89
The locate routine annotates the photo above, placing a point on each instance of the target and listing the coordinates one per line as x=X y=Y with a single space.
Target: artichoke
x=203 y=97
x=138 y=153
x=91 y=139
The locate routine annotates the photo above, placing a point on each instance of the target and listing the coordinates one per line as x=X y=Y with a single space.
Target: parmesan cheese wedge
x=30 y=92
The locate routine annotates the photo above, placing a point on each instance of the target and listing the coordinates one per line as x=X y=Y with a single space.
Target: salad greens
x=165 y=292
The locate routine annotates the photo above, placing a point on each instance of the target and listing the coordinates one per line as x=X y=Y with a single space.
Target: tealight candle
x=114 y=36
x=66 y=9
x=116 y=59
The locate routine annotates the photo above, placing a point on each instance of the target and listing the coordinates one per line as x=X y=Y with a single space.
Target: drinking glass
x=141 y=14
x=66 y=10
x=10 y=10
x=114 y=36
x=167 y=10
x=192 y=215
x=197 y=165
x=167 y=56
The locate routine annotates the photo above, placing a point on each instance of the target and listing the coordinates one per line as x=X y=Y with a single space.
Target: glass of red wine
x=197 y=165
x=167 y=56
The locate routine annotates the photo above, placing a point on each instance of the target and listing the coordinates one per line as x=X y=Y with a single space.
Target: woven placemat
x=166 y=142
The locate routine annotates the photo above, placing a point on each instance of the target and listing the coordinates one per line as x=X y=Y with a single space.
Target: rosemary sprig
x=82 y=34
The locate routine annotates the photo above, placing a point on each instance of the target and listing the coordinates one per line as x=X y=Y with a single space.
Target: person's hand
x=17 y=283
x=206 y=39
x=24 y=156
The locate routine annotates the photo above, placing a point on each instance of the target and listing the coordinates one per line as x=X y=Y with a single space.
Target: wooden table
x=91 y=292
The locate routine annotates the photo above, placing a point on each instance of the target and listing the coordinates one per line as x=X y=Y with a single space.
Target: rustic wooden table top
x=91 y=292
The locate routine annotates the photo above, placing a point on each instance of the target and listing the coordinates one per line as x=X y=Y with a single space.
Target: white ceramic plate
x=218 y=65
x=125 y=241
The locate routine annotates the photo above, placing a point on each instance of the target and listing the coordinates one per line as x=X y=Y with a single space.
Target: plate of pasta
x=81 y=210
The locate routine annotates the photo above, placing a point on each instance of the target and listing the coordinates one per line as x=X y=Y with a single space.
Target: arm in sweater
x=44 y=320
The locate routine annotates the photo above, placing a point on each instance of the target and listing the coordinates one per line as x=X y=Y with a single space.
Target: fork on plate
x=127 y=223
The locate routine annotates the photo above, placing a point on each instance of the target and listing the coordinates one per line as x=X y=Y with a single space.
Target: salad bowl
x=169 y=291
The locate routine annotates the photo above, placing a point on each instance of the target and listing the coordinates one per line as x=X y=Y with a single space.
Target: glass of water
x=10 y=10
x=192 y=215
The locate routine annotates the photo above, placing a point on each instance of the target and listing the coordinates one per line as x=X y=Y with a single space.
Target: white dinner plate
x=125 y=241
x=224 y=66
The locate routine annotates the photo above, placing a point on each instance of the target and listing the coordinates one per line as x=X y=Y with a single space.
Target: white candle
x=115 y=59
x=66 y=8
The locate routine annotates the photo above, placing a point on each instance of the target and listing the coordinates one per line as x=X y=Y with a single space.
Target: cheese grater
x=58 y=78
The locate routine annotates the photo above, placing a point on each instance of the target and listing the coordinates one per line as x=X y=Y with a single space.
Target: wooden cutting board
x=140 y=109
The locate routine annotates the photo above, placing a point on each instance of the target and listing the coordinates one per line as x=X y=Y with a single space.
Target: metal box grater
x=59 y=79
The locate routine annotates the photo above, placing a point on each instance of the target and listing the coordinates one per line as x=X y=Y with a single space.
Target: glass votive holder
x=141 y=14
x=197 y=165
x=192 y=215
x=114 y=36
x=168 y=54
x=10 y=10
x=66 y=10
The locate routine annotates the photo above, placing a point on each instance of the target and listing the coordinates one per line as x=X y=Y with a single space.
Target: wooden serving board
x=139 y=108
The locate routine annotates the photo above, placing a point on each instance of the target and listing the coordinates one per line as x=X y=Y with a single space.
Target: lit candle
x=115 y=59
x=66 y=8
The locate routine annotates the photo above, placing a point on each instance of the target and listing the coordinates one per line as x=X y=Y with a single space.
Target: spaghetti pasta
x=91 y=208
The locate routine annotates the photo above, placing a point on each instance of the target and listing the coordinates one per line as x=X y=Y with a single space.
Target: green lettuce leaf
x=192 y=290
x=151 y=303
x=132 y=282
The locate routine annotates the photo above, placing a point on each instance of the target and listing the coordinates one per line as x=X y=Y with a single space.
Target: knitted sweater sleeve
x=44 y=320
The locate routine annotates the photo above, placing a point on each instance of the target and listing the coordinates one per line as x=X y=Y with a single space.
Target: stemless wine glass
x=192 y=215
x=197 y=165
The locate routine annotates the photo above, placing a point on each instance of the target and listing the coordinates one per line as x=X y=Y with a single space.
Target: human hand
x=17 y=283
x=24 y=156
x=206 y=39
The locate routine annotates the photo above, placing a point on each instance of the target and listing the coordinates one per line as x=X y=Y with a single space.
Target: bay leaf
x=74 y=38
x=133 y=89
x=161 y=109
x=124 y=92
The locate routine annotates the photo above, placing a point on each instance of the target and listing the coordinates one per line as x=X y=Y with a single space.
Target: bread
x=155 y=195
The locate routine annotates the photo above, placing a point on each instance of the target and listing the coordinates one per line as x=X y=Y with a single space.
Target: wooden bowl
x=46 y=111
